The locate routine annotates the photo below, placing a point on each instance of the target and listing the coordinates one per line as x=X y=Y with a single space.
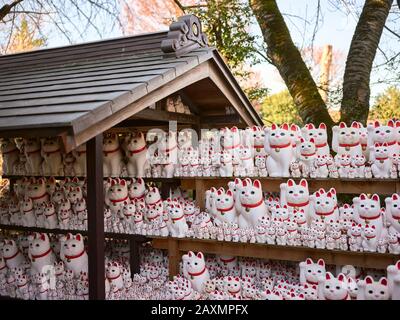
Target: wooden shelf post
x=200 y=193
x=173 y=257
x=95 y=206
x=134 y=256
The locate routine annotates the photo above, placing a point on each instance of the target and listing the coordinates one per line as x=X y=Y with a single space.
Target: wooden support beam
x=95 y=205
x=275 y=252
x=134 y=256
x=162 y=115
x=173 y=257
x=200 y=193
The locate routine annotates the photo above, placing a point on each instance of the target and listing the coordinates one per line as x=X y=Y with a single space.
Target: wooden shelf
x=349 y=186
x=273 y=252
x=112 y=235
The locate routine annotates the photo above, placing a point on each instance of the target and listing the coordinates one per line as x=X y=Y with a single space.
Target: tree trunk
x=5 y=10
x=287 y=59
x=356 y=90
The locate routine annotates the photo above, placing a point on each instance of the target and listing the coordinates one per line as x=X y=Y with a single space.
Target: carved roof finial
x=184 y=36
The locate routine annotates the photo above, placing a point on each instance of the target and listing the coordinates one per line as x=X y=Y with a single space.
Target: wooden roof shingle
x=78 y=86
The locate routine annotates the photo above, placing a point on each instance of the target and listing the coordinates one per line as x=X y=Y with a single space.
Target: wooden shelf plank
x=350 y=186
x=113 y=235
x=275 y=252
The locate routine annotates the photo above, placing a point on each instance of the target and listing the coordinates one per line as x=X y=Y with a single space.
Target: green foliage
x=227 y=25
x=387 y=105
x=279 y=108
x=25 y=38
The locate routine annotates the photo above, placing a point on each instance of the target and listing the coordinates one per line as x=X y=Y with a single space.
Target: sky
x=335 y=27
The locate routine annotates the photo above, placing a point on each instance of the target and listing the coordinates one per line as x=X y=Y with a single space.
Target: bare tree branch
x=5 y=10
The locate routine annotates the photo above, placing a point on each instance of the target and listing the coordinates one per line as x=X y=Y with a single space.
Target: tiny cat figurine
x=306 y=154
x=178 y=226
x=136 y=152
x=344 y=163
x=346 y=140
x=32 y=150
x=321 y=166
x=358 y=163
x=79 y=154
x=52 y=157
x=380 y=159
x=278 y=145
x=226 y=165
x=112 y=156
x=10 y=154
x=312 y=273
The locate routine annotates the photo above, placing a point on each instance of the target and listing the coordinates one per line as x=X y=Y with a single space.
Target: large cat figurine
x=393 y=212
x=346 y=140
x=279 y=148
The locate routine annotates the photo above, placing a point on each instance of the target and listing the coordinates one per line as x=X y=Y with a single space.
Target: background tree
x=24 y=38
x=386 y=105
x=280 y=108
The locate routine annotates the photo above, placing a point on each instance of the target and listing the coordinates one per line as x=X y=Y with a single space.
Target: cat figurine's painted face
x=297 y=193
x=384 y=133
x=307 y=147
x=376 y=290
x=279 y=136
x=319 y=134
x=335 y=288
x=251 y=193
x=310 y=292
x=381 y=151
x=313 y=272
x=348 y=135
x=368 y=207
x=325 y=203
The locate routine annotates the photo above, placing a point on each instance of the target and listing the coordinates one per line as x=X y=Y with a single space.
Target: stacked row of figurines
x=242 y=213
x=233 y=278
x=42 y=267
x=46 y=203
x=276 y=151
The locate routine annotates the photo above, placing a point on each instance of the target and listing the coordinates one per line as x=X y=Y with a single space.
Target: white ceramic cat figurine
x=380 y=159
x=252 y=204
x=226 y=165
x=50 y=216
x=12 y=254
x=364 y=141
x=10 y=155
x=36 y=190
x=393 y=276
x=177 y=226
x=73 y=254
x=346 y=140
x=278 y=145
x=40 y=253
x=369 y=236
x=28 y=216
x=358 y=163
x=246 y=161
x=320 y=164
x=367 y=211
x=32 y=150
x=168 y=150
x=112 y=156
x=136 y=152
x=344 y=164
x=295 y=196
x=80 y=160
x=378 y=133
x=393 y=212
x=373 y=290
x=311 y=273
x=225 y=207
x=197 y=272
x=320 y=137
x=52 y=157
x=323 y=206
x=306 y=155
x=331 y=288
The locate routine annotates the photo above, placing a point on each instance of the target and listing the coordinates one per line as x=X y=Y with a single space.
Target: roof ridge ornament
x=184 y=35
